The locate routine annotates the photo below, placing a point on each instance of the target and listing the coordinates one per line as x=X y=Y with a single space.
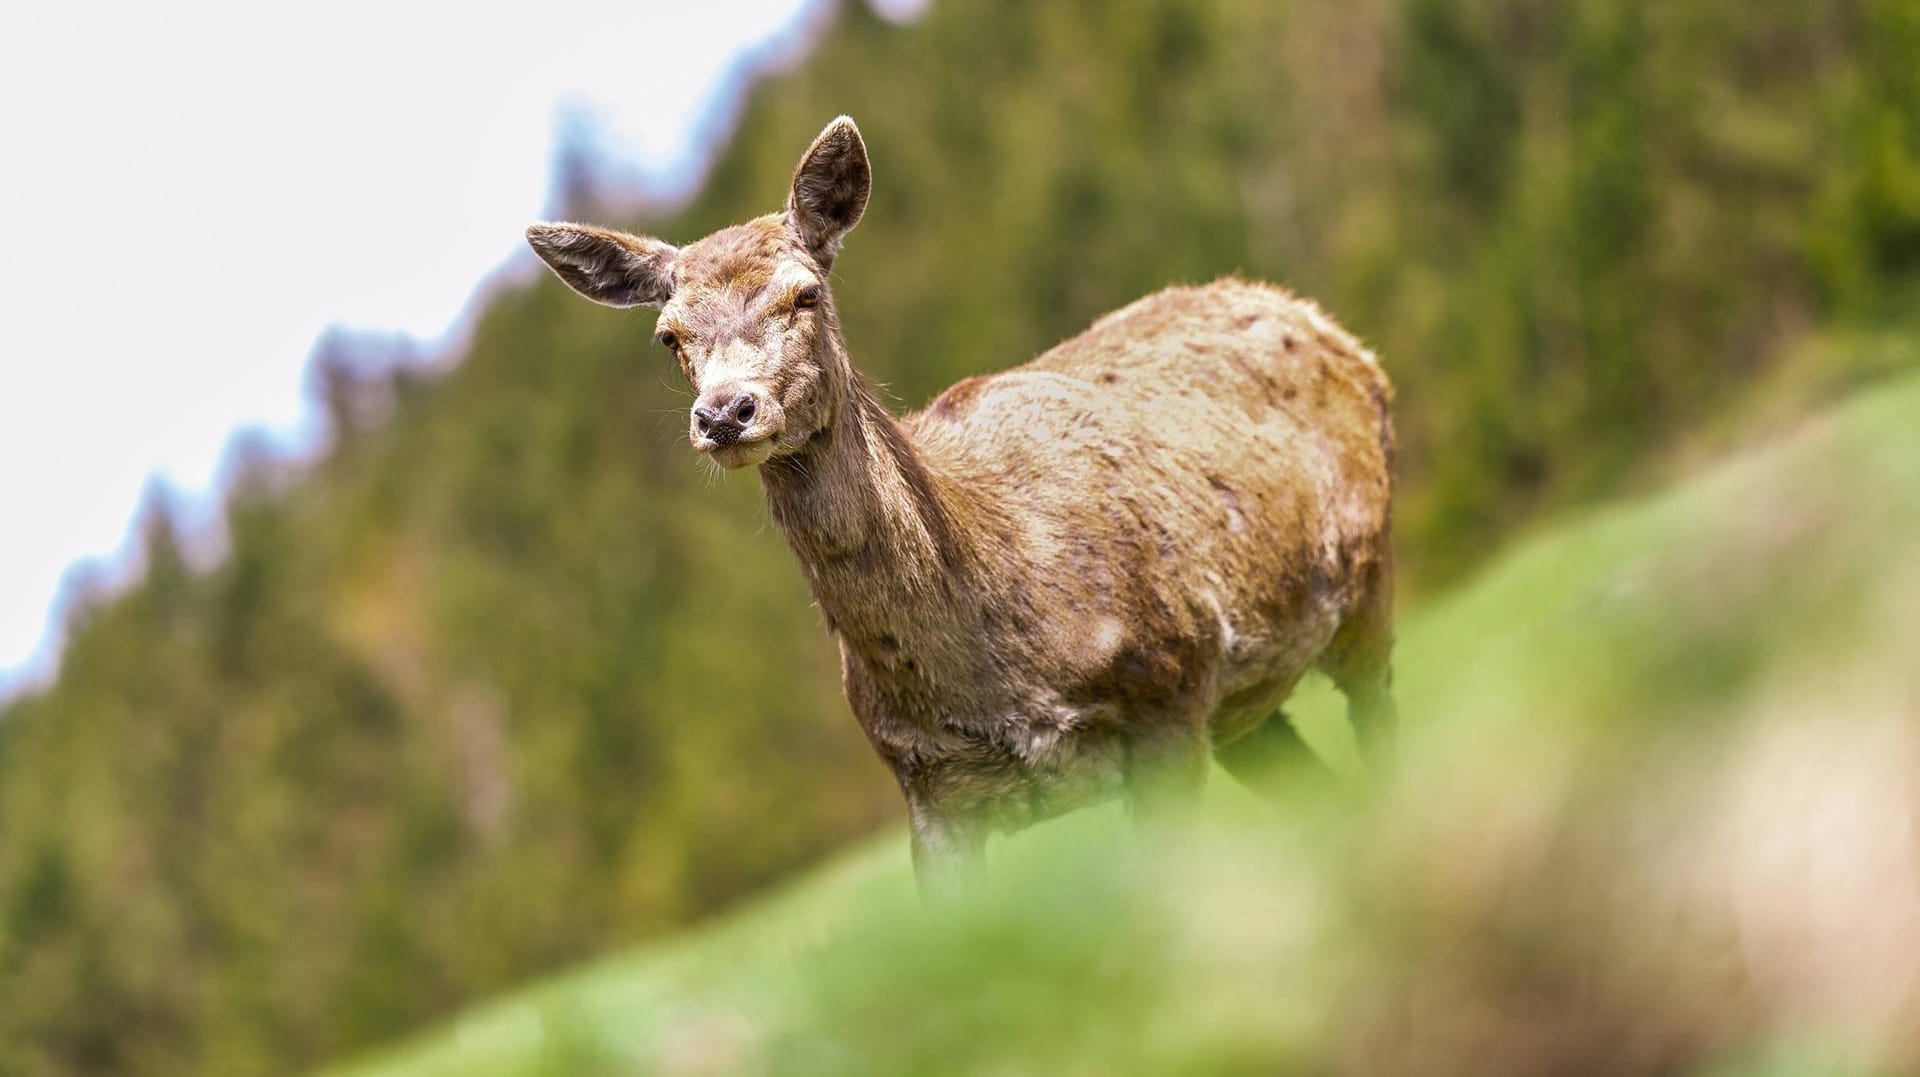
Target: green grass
x=1653 y=811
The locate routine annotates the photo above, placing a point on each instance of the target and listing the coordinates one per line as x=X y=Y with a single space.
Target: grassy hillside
x=471 y=697
x=1654 y=814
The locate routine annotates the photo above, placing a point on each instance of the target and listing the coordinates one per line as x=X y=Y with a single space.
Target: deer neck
x=870 y=523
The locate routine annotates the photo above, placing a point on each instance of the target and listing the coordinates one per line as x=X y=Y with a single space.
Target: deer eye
x=668 y=339
x=807 y=298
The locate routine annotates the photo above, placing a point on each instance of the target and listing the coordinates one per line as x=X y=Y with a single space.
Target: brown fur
x=1076 y=578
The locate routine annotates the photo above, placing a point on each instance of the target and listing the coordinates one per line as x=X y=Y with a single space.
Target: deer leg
x=1374 y=717
x=1165 y=774
x=1361 y=664
x=1268 y=754
x=948 y=854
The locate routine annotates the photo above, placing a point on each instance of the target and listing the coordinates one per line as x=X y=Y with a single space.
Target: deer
x=1079 y=579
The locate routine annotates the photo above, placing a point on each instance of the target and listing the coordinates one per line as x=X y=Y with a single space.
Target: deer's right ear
x=606 y=266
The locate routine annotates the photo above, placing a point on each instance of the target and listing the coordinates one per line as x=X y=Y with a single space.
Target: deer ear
x=830 y=189
x=606 y=266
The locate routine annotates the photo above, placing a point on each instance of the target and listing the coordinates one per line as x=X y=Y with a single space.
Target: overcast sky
x=194 y=191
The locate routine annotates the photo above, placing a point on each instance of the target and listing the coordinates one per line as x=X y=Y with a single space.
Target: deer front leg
x=1166 y=769
x=948 y=852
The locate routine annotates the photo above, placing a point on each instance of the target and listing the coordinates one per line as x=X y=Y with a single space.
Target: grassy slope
x=1573 y=868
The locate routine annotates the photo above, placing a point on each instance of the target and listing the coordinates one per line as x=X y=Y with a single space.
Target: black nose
x=725 y=424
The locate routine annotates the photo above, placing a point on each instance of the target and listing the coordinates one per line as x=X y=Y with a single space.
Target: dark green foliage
x=504 y=679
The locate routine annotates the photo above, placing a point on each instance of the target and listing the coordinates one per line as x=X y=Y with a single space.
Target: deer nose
x=724 y=415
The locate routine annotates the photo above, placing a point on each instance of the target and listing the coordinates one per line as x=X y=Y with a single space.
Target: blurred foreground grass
x=1657 y=809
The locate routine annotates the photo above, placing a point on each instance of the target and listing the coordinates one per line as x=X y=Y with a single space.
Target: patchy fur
x=1077 y=578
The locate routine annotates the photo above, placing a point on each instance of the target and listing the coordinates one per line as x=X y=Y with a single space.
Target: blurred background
x=434 y=681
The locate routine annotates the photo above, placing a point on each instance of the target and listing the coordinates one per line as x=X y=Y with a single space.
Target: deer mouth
x=739 y=454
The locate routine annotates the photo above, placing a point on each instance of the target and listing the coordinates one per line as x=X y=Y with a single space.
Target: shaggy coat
x=1079 y=578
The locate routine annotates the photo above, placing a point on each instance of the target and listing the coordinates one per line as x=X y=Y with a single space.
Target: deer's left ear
x=830 y=189
x=606 y=266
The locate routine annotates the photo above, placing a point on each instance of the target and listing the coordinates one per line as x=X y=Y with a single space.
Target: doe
x=1077 y=579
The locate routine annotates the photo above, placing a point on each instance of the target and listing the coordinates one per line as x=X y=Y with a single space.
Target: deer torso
x=1148 y=533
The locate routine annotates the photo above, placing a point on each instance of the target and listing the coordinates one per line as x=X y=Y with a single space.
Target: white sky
x=192 y=192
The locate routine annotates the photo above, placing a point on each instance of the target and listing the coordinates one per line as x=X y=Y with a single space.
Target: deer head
x=746 y=311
